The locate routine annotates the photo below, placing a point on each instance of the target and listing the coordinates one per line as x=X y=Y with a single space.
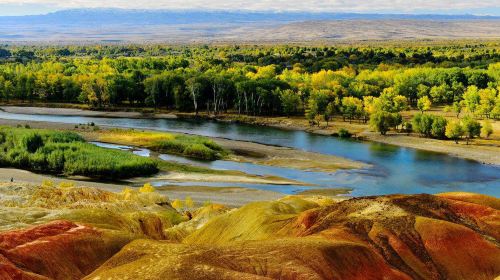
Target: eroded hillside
x=50 y=232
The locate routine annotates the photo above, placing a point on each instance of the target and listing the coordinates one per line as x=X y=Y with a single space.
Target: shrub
x=189 y=202
x=407 y=127
x=55 y=160
x=438 y=129
x=147 y=188
x=171 y=146
x=422 y=124
x=212 y=145
x=177 y=204
x=344 y=133
x=200 y=151
x=454 y=130
x=32 y=142
x=472 y=128
x=430 y=125
x=66 y=185
x=487 y=129
x=382 y=121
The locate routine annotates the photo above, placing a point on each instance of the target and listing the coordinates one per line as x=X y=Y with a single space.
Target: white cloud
x=303 y=5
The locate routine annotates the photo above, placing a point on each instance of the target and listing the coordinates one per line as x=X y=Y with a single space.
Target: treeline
x=313 y=58
x=352 y=82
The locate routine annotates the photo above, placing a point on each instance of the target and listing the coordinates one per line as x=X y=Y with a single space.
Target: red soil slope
x=57 y=250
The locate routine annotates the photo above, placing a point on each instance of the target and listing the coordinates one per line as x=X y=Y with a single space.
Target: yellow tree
x=424 y=104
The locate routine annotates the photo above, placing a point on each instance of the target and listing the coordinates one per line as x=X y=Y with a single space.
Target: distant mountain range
x=119 y=25
x=154 y=17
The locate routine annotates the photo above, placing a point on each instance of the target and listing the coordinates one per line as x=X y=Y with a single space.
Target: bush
x=171 y=146
x=32 y=142
x=430 y=125
x=422 y=124
x=486 y=131
x=344 y=133
x=200 y=151
x=382 y=121
x=454 y=130
x=472 y=128
x=407 y=127
x=438 y=129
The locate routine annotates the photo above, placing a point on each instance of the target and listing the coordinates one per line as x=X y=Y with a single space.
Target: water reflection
x=395 y=169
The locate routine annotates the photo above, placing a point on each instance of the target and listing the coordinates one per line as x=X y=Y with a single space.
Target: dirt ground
x=229 y=196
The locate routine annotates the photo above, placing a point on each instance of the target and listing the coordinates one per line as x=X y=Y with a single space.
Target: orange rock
x=57 y=250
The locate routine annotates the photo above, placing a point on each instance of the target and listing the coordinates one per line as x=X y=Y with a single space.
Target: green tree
x=472 y=99
x=330 y=111
x=440 y=94
x=422 y=90
x=382 y=121
x=438 y=129
x=352 y=107
x=456 y=107
x=472 y=128
x=422 y=124
x=389 y=101
x=290 y=101
x=487 y=101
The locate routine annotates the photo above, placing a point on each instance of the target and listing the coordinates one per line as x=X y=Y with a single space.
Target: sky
x=477 y=7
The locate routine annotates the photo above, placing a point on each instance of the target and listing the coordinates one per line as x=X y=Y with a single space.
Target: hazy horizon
x=447 y=7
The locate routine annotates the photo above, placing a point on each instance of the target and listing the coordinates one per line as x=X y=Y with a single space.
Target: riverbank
x=484 y=151
x=242 y=151
x=233 y=196
x=175 y=172
x=230 y=196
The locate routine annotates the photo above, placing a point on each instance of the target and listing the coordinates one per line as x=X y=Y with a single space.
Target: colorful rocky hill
x=65 y=232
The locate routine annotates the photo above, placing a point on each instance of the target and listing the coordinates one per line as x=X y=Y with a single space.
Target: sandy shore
x=230 y=196
x=481 y=150
x=286 y=157
x=81 y=112
x=217 y=178
x=23 y=176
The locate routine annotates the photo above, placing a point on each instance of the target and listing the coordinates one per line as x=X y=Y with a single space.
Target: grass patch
x=67 y=153
x=178 y=144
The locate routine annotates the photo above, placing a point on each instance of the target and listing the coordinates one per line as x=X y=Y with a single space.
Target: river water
x=394 y=169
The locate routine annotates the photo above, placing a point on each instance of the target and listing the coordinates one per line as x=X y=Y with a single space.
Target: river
x=394 y=169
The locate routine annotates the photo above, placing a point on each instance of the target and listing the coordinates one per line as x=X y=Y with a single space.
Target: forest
x=371 y=84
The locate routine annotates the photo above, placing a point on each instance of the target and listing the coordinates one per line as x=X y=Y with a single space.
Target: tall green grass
x=67 y=153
